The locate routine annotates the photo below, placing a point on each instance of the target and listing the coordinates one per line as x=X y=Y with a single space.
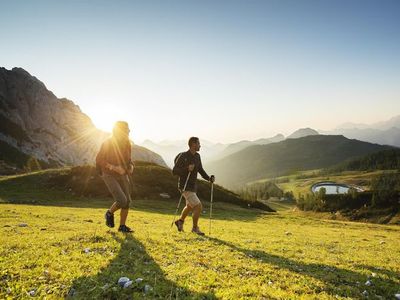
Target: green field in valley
x=301 y=182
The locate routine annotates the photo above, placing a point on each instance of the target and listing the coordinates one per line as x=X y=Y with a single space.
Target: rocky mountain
x=36 y=125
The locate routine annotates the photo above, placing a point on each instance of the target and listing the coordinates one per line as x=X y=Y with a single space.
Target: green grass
x=250 y=254
x=280 y=205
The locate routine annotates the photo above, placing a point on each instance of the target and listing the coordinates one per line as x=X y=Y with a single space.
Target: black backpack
x=176 y=161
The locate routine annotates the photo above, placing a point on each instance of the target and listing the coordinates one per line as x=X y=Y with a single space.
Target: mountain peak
x=302 y=132
x=54 y=131
x=20 y=71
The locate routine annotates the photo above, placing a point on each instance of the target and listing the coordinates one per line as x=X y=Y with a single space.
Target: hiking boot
x=109 y=219
x=124 y=228
x=179 y=225
x=197 y=231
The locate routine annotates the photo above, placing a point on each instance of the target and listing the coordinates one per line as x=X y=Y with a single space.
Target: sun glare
x=104 y=118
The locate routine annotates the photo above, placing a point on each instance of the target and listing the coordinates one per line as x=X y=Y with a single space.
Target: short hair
x=193 y=140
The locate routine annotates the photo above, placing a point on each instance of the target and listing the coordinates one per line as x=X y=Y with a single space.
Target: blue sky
x=221 y=70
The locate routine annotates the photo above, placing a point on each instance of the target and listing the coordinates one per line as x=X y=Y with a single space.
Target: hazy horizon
x=223 y=71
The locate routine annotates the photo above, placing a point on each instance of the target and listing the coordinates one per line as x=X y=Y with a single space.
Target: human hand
x=212 y=178
x=120 y=170
x=117 y=169
x=130 y=169
x=191 y=168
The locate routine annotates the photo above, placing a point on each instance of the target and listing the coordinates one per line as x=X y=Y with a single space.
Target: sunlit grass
x=250 y=254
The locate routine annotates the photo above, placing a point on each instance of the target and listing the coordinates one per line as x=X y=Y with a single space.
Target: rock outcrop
x=35 y=123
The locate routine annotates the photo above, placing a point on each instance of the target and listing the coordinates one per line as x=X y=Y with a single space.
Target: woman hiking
x=115 y=164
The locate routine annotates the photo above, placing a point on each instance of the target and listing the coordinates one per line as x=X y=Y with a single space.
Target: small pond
x=333 y=187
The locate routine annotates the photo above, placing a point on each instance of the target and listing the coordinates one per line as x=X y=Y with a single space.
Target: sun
x=104 y=118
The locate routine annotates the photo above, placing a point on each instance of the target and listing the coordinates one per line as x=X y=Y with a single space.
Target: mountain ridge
x=35 y=124
x=277 y=159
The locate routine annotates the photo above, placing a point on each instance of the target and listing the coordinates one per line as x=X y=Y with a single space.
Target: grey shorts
x=119 y=187
x=191 y=199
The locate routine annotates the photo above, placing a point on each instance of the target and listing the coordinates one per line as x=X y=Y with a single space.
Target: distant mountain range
x=214 y=151
x=389 y=136
x=235 y=147
x=384 y=133
x=383 y=125
x=169 y=149
x=36 y=126
x=277 y=159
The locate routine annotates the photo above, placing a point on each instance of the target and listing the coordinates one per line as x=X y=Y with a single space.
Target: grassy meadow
x=55 y=245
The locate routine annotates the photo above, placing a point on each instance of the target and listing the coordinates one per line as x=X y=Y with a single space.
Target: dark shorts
x=118 y=185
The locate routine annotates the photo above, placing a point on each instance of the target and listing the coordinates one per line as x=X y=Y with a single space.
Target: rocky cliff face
x=35 y=123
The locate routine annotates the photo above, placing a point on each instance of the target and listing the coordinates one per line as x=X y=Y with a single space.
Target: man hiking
x=115 y=165
x=186 y=162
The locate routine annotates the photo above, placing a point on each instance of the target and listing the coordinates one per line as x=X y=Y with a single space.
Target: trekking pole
x=180 y=199
x=211 y=203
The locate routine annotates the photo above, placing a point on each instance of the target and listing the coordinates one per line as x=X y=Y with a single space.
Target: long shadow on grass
x=133 y=262
x=333 y=277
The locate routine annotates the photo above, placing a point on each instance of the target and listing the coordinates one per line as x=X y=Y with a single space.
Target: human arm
x=202 y=172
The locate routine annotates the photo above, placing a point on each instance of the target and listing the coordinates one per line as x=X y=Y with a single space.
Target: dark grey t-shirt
x=182 y=162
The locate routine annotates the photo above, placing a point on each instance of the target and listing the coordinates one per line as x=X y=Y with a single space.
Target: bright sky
x=221 y=70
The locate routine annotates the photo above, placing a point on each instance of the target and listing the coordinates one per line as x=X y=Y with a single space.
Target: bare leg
x=124 y=215
x=186 y=210
x=114 y=207
x=196 y=214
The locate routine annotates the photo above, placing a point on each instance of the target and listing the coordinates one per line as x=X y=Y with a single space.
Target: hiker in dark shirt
x=186 y=162
x=115 y=165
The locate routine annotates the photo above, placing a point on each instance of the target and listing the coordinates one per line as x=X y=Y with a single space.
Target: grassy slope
x=280 y=205
x=149 y=180
x=250 y=254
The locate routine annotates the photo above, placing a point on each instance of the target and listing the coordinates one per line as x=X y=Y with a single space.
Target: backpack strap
x=177 y=158
x=175 y=162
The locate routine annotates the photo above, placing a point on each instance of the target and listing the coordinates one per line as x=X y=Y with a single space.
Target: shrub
x=386 y=188
x=321 y=201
